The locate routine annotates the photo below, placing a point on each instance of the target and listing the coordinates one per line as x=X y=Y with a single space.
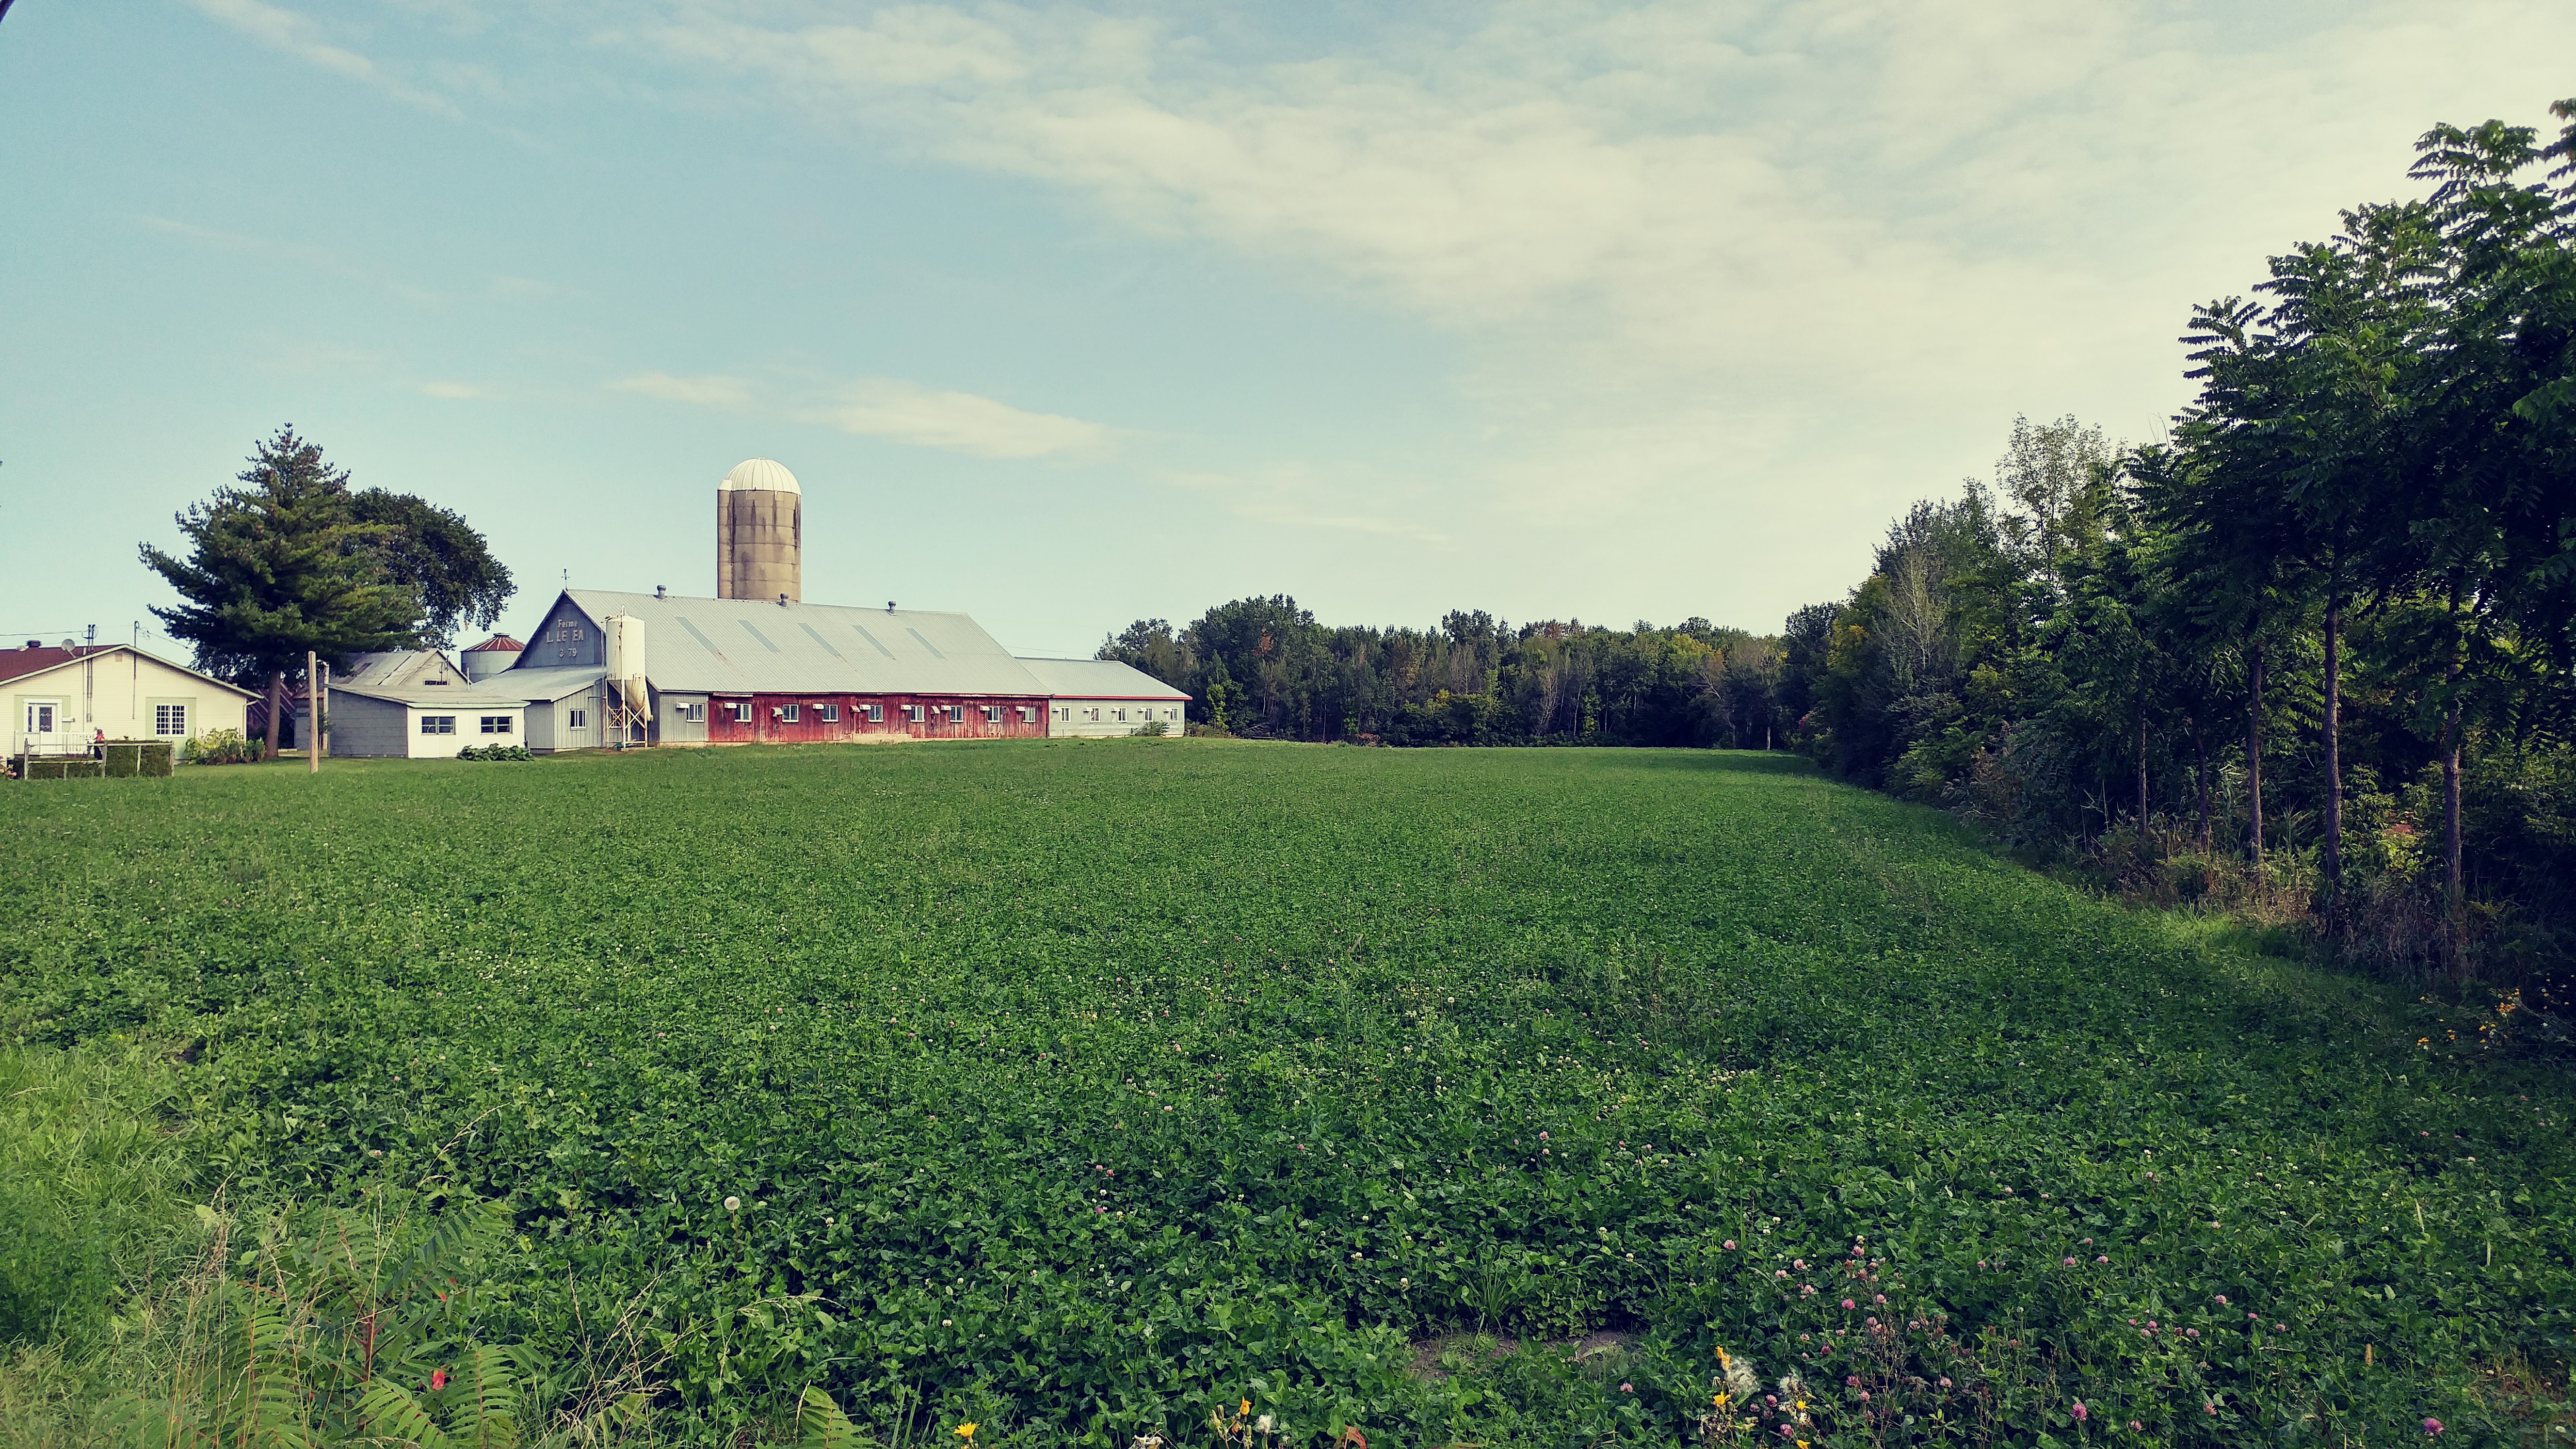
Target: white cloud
x=456 y=391
x=297 y=35
x=1658 y=223
x=903 y=412
x=710 y=391
x=900 y=412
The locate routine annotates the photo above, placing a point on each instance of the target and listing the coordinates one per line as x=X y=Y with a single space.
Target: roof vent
x=659 y=592
x=889 y=606
x=782 y=601
x=35 y=643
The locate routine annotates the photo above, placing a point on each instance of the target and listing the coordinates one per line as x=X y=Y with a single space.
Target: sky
x=1071 y=315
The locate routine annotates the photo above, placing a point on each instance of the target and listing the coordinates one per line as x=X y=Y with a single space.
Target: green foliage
x=1265 y=669
x=131 y=759
x=1336 y=1053
x=218 y=747
x=441 y=557
x=343 y=1325
x=93 y=1179
x=293 y=561
x=496 y=752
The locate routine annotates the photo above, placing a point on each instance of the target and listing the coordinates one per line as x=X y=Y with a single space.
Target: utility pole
x=313 y=706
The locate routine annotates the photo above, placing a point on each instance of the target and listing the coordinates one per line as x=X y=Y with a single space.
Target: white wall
x=467 y=727
x=1100 y=718
x=123 y=693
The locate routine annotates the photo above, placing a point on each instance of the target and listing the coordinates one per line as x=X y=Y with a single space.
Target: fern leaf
x=487 y=1415
x=822 y=1425
x=393 y=1414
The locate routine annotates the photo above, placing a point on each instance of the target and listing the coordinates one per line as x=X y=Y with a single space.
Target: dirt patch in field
x=1596 y=1346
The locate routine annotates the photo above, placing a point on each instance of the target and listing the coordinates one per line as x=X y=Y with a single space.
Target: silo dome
x=758 y=475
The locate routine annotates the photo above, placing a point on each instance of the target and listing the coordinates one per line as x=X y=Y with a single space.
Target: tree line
x=2313 y=646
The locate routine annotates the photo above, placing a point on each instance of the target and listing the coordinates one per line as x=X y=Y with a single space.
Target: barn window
x=790 y=713
x=169 y=719
x=742 y=712
x=496 y=724
x=828 y=713
x=1064 y=711
x=576 y=719
x=876 y=714
x=956 y=714
x=992 y=714
x=912 y=712
x=438 y=724
x=691 y=713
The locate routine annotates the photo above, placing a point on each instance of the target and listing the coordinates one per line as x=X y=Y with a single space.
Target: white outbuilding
x=423 y=722
x=1098 y=697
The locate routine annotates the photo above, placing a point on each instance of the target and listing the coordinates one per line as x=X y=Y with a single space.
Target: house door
x=43 y=729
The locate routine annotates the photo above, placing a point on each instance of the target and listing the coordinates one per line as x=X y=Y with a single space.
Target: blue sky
x=1072 y=315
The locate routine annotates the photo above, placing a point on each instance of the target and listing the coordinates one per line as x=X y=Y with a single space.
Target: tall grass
x=98 y=1216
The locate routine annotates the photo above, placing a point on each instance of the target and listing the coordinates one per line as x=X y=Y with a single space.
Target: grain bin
x=759 y=533
x=622 y=640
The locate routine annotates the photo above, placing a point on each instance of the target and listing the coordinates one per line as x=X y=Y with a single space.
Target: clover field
x=1085 y=1090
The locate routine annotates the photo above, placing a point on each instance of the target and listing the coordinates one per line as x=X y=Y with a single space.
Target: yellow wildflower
x=967 y=1432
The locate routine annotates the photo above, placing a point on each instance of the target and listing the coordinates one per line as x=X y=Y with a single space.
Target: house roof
x=1098 y=679
x=462 y=696
x=739 y=646
x=387 y=666
x=16 y=664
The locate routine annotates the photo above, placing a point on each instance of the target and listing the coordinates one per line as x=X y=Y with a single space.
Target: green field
x=1080 y=1089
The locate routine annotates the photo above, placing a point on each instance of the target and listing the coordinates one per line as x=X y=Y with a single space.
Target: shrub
x=219 y=747
x=495 y=752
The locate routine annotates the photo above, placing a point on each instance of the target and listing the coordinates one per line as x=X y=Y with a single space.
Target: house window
x=828 y=713
x=876 y=714
x=742 y=711
x=1095 y=714
x=1122 y=716
x=956 y=714
x=577 y=719
x=690 y=713
x=1028 y=712
x=438 y=724
x=790 y=713
x=1064 y=711
x=496 y=724
x=992 y=714
x=169 y=719
x=912 y=712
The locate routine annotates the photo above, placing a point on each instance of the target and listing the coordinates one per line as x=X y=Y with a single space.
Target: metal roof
x=739 y=646
x=1098 y=679
x=497 y=641
x=758 y=475
x=462 y=696
x=368 y=671
x=537 y=686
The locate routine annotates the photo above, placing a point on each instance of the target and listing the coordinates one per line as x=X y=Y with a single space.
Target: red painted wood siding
x=766 y=727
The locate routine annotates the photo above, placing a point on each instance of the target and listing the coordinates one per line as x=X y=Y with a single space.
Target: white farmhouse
x=1104 y=697
x=62 y=698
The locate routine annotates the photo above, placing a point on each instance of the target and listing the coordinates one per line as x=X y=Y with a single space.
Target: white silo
x=759 y=533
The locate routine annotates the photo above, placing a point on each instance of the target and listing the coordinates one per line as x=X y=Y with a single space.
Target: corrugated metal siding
x=364 y=728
